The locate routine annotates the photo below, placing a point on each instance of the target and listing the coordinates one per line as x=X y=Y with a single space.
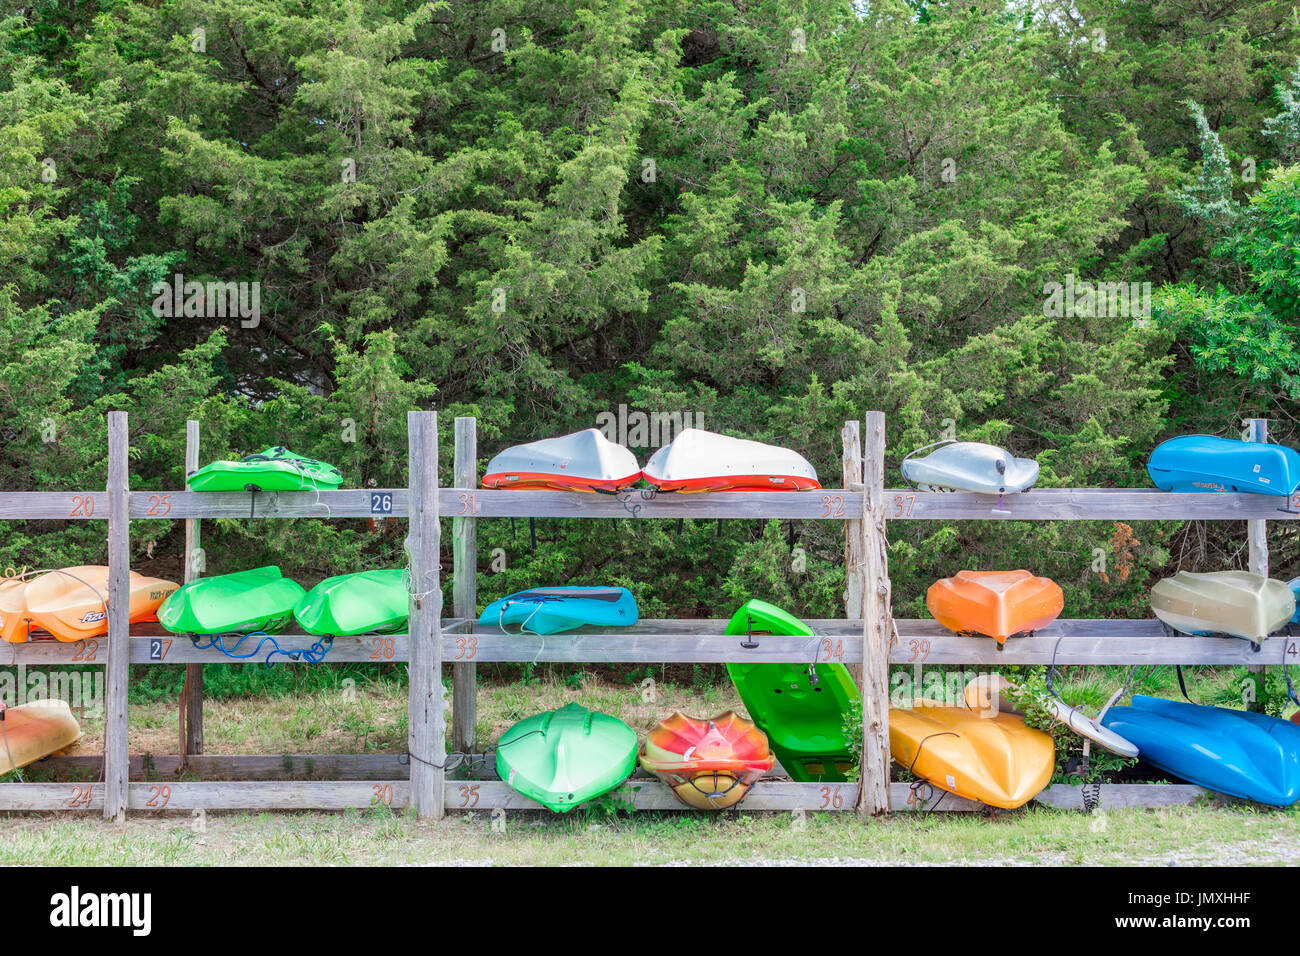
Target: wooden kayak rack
x=868 y=639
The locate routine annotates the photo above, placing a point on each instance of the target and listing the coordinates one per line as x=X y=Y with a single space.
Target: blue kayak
x=550 y=610
x=1294 y=585
x=1193 y=463
x=1252 y=756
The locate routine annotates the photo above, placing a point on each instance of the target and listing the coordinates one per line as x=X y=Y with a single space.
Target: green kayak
x=565 y=757
x=803 y=721
x=356 y=603
x=258 y=600
x=276 y=469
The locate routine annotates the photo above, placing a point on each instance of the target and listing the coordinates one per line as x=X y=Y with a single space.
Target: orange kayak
x=70 y=603
x=997 y=760
x=996 y=603
x=36 y=730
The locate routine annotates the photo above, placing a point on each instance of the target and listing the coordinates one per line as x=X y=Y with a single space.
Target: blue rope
x=312 y=655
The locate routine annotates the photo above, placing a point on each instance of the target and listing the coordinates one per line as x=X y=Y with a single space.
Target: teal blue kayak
x=551 y=610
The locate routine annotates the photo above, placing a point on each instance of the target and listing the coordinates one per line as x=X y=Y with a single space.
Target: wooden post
x=191 y=716
x=464 y=533
x=118 y=663
x=1257 y=535
x=877 y=625
x=426 y=743
x=854 y=563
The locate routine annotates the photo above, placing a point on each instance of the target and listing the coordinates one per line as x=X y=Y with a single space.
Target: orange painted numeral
x=383 y=795
x=86 y=651
x=832 y=651
x=159 y=794
x=468 y=503
x=834 y=505
x=466 y=648
x=83 y=506
x=831 y=798
x=159 y=506
x=920 y=649
x=903 y=505
x=383 y=648
x=469 y=795
x=81 y=796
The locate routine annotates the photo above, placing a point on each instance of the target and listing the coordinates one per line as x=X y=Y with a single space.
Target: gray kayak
x=583 y=461
x=971 y=466
x=698 y=460
x=1237 y=603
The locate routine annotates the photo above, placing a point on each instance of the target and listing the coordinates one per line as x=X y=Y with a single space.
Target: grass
x=1181 y=836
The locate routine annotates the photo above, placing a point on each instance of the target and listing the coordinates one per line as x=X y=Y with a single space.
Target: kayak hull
x=1234 y=752
x=1206 y=463
x=998 y=604
x=971 y=466
x=260 y=599
x=275 y=469
x=36 y=730
x=697 y=460
x=583 y=461
x=565 y=757
x=552 y=610
x=998 y=761
x=804 y=722
x=361 y=603
x=709 y=764
x=1237 y=603
x=70 y=603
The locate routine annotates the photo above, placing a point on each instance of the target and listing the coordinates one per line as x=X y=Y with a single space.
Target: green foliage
x=771 y=218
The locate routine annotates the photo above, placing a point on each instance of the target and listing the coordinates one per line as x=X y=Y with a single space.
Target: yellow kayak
x=996 y=760
x=35 y=730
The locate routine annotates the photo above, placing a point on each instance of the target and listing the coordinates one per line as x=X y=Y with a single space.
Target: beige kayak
x=1238 y=603
x=35 y=730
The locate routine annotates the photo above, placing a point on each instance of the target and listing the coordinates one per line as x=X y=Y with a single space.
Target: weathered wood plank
x=703 y=641
x=642 y=793
x=1115 y=796
x=116 y=764
x=191 y=708
x=342 y=503
x=266 y=795
x=877 y=619
x=1084 y=504
x=854 y=559
x=646 y=503
x=66 y=505
x=464 y=551
x=51 y=796
x=426 y=742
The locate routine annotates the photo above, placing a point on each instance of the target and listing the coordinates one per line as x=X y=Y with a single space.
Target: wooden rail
x=862 y=640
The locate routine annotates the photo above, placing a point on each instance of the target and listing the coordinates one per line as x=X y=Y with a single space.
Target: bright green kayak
x=803 y=721
x=356 y=603
x=565 y=757
x=276 y=469
x=258 y=600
